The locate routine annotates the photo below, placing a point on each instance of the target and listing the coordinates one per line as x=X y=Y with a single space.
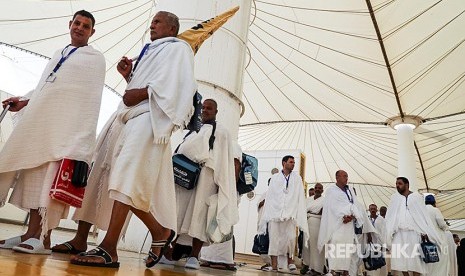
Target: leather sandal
x=98 y=252
x=153 y=258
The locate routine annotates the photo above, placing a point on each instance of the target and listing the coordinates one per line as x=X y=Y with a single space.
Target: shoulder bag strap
x=212 y=137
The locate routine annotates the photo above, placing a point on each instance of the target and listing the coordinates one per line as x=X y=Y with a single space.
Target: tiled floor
x=12 y=263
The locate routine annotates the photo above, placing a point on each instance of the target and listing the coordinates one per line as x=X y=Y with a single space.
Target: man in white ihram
x=341 y=214
x=284 y=210
x=442 y=267
x=59 y=121
x=157 y=101
x=407 y=221
x=314 y=259
x=379 y=224
x=216 y=186
x=221 y=255
x=260 y=203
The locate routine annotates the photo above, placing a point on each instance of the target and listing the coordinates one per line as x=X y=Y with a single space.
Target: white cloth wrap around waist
x=128 y=113
x=310 y=215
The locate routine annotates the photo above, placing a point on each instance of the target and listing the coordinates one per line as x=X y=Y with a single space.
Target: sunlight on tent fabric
x=20 y=72
x=323 y=77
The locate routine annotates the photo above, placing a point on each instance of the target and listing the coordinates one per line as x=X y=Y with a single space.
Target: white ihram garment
x=284 y=209
x=59 y=122
x=216 y=177
x=441 y=267
x=310 y=255
x=356 y=264
x=265 y=258
x=97 y=204
x=452 y=249
x=222 y=252
x=406 y=219
x=142 y=171
x=333 y=232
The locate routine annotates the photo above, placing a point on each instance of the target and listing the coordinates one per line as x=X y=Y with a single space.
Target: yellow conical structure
x=201 y=32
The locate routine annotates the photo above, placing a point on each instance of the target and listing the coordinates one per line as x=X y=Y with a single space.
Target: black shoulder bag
x=80 y=174
x=261 y=243
x=186 y=172
x=430 y=251
x=375 y=259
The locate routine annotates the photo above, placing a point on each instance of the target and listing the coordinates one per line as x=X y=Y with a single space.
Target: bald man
x=341 y=214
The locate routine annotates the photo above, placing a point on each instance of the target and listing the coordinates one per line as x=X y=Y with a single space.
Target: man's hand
x=135 y=96
x=15 y=104
x=237 y=168
x=347 y=219
x=124 y=67
x=260 y=205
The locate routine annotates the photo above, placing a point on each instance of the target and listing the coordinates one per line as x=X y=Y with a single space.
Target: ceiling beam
x=393 y=82
x=386 y=59
x=422 y=167
x=347 y=122
x=314 y=121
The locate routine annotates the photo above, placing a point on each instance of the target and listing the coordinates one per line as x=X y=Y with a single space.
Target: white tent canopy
x=326 y=77
x=322 y=76
x=20 y=71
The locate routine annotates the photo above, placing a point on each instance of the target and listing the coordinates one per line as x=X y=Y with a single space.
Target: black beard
x=210 y=122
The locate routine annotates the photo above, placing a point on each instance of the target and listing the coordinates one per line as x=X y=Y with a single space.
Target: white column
x=220 y=62
x=406 y=165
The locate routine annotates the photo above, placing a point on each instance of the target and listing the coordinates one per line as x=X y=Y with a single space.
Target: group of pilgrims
x=132 y=173
x=131 y=159
x=339 y=236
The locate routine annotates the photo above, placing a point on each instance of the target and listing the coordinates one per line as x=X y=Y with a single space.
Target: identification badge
x=248 y=178
x=51 y=77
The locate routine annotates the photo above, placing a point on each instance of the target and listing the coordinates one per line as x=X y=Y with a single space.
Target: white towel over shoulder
x=61 y=118
x=166 y=69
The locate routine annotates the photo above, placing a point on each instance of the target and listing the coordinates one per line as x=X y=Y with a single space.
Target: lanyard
x=373 y=220
x=63 y=58
x=140 y=56
x=287 y=179
x=347 y=192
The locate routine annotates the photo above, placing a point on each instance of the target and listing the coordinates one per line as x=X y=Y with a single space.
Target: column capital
x=411 y=120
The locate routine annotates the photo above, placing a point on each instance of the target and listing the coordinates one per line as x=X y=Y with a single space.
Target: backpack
x=195 y=122
x=248 y=176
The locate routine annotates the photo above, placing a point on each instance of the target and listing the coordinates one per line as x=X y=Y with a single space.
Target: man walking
x=407 y=222
x=341 y=216
x=284 y=210
x=158 y=101
x=58 y=120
